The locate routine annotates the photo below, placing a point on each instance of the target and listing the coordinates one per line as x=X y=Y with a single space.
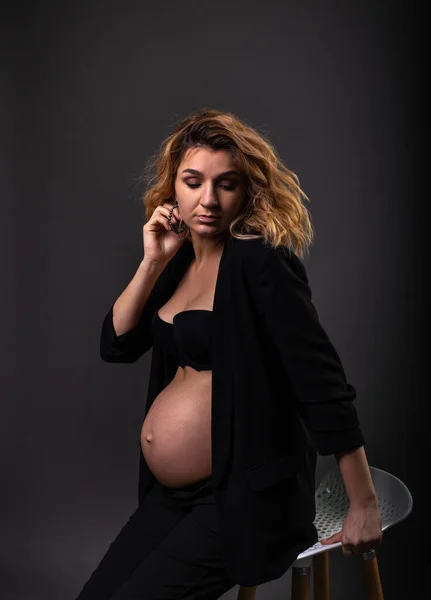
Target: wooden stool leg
x=370 y=572
x=246 y=592
x=321 y=576
x=301 y=583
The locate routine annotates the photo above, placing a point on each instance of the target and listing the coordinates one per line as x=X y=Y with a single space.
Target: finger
x=333 y=539
x=165 y=211
x=162 y=220
x=161 y=216
x=175 y=216
x=348 y=551
x=167 y=207
x=365 y=545
x=369 y=547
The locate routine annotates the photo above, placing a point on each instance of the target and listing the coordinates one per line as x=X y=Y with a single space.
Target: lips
x=204 y=219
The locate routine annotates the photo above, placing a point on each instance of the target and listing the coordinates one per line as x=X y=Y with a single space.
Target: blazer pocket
x=274 y=470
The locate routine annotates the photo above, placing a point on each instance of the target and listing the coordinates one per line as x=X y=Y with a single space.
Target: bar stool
x=395 y=501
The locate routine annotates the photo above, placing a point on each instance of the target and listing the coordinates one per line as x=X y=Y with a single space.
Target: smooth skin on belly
x=176 y=433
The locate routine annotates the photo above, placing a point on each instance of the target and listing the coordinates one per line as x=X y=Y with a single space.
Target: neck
x=207 y=250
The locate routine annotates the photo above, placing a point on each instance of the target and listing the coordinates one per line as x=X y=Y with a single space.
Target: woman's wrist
x=357 y=478
x=364 y=501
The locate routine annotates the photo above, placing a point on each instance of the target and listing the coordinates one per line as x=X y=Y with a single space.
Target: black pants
x=169 y=549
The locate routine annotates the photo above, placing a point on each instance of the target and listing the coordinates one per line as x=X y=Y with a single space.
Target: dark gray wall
x=89 y=93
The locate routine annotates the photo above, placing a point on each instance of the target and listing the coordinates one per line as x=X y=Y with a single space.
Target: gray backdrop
x=89 y=93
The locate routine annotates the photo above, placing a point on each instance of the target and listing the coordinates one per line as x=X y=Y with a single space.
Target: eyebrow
x=196 y=172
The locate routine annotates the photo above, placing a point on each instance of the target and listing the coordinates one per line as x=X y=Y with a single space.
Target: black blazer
x=279 y=396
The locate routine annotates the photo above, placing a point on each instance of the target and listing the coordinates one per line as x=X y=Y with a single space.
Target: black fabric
x=188 y=337
x=279 y=396
x=169 y=548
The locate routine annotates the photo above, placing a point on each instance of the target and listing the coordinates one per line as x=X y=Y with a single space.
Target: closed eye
x=229 y=188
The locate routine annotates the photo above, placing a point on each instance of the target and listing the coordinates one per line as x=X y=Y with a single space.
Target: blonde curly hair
x=273 y=208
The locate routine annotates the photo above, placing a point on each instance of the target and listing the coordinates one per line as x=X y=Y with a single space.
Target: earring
x=179 y=227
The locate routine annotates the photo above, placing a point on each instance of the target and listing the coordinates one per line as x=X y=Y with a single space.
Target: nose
x=209 y=197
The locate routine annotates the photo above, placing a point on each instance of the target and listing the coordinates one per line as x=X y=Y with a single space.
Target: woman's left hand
x=361 y=532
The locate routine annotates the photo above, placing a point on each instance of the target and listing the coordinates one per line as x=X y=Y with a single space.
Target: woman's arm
x=126 y=328
x=283 y=299
x=362 y=527
x=128 y=307
x=357 y=479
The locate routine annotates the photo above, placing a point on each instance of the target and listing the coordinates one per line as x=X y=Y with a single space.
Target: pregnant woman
x=223 y=312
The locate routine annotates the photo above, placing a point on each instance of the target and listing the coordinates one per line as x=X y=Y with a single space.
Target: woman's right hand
x=160 y=242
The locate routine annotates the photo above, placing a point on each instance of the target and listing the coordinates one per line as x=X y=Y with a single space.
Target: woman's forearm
x=362 y=526
x=357 y=479
x=129 y=305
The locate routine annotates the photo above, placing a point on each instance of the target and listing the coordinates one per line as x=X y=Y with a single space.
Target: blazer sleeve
x=130 y=345
x=325 y=399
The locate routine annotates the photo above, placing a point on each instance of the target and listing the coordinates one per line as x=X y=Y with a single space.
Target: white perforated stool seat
x=332 y=504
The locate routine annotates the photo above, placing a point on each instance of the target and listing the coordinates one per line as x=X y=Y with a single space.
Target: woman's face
x=208 y=183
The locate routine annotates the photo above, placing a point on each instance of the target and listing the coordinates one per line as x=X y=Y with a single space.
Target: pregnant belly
x=176 y=433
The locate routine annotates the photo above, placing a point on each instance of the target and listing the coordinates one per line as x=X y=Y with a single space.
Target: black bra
x=189 y=337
